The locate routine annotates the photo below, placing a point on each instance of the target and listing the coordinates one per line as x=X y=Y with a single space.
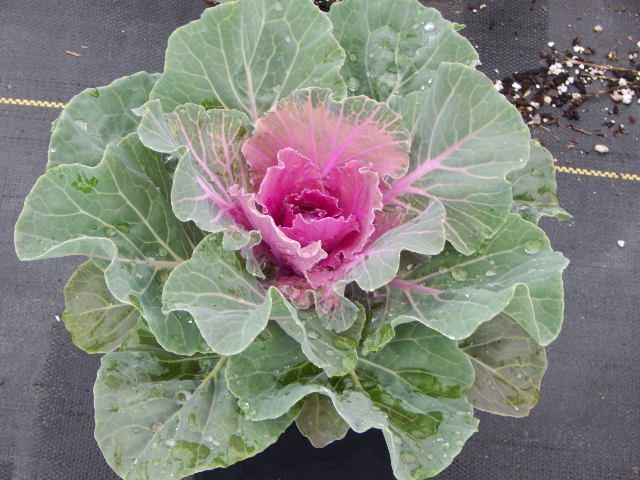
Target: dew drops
x=156 y=427
x=353 y=84
x=169 y=443
x=52 y=150
x=407 y=457
x=429 y=27
x=459 y=274
x=136 y=430
x=82 y=125
x=192 y=419
x=518 y=375
x=277 y=7
x=490 y=273
x=533 y=246
x=313 y=335
x=181 y=397
x=287 y=39
x=353 y=57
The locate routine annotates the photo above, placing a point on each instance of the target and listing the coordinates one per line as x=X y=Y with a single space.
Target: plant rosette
x=327 y=219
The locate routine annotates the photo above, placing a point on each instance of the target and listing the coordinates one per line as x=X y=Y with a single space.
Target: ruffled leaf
x=97 y=322
x=516 y=271
x=509 y=367
x=117 y=215
x=163 y=416
x=97 y=117
x=207 y=144
x=330 y=133
x=394 y=48
x=534 y=187
x=228 y=304
x=278 y=48
x=466 y=139
x=379 y=263
x=424 y=430
x=284 y=249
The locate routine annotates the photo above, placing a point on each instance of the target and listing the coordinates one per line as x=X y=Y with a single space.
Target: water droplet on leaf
x=459 y=274
x=353 y=84
x=533 y=246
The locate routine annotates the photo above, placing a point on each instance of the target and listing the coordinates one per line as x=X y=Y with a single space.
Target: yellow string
x=25 y=102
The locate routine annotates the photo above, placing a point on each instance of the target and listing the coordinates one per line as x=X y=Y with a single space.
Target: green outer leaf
x=335 y=353
x=466 y=138
x=228 y=304
x=116 y=214
x=97 y=117
x=471 y=290
x=419 y=359
x=534 y=187
x=423 y=234
x=319 y=421
x=394 y=47
x=208 y=145
x=97 y=322
x=509 y=367
x=281 y=46
x=423 y=433
x=163 y=416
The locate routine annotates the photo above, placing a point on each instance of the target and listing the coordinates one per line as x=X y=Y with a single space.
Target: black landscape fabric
x=587 y=425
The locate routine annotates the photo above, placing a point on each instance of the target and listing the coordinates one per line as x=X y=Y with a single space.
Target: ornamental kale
x=327 y=219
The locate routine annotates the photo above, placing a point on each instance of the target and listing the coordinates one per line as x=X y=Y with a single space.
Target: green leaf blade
x=118 y=215
x=534 y=187
x=229 y=305
x=423 y=433
x=276 y=51
x=97 y=322
x=516 y=270
x=509 y=367
x=394 y=48
x=319 y=421
x=466 y=139
x=97 y=117
x=159 y=415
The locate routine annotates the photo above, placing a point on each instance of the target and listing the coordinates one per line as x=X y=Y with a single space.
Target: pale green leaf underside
x=97 y=117
x=509 y=367
x=516 y=271
x=319 y=421
x=423 y=234
x=423 y=433
x=466 y=139
x=117 y=215
x=161 y=416
x=207 y=144
x=394 y=47
x=97 y=322
x=247 y=55
x=228 y=304
x=534 y=187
